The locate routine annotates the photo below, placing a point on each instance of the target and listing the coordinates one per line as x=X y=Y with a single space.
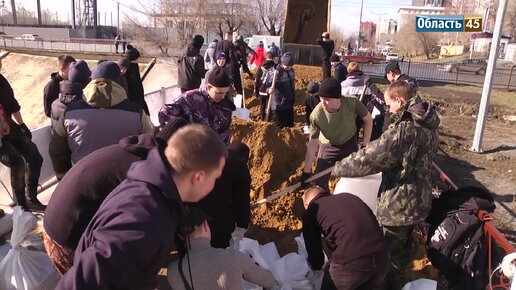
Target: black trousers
x=326 y=68
x=22 y=156
x=329 y=154
x=284 y=118
x=365 y=273
x=264 y=99
x=237 y=80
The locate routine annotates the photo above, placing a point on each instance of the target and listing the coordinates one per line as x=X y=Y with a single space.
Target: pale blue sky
x=344 y=13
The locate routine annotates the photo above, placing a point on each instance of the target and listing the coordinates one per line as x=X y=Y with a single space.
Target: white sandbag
x=4 y=249
x=238 y=99
x=291 y=272
x=421 y=284
x=301 y=248
x=270 y=255
x=364 y=187
x=242 y=113
x=251 y=247
x=23 y=269
x=6 y=224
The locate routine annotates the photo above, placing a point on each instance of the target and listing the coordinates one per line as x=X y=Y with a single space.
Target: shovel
x=273 y=86
x=291 y=188
x=241 y=111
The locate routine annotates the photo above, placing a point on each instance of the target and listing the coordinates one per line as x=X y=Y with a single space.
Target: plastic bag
x=23 y=269
x=421 y=284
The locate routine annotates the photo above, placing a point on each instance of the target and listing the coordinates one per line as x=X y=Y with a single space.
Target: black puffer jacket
x=190 y=69
x=51 y=92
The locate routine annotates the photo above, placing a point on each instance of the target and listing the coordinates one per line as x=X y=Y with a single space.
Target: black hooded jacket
x=69 y=92
x=83 y=189
x=190 y=69
x=229 y=202
x=51 y=92
x=135 y=92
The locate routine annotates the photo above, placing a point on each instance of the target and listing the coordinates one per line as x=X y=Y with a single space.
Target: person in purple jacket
x=132 y=234
x=208 y=106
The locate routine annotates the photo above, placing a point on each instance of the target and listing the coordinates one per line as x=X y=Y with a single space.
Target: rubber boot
x=32 y=199
x=17 y=182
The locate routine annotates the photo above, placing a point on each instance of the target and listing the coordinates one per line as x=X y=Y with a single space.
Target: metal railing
x=82 y=46
x=504 y=77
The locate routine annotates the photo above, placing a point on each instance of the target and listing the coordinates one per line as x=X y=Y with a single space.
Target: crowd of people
x=129 y=193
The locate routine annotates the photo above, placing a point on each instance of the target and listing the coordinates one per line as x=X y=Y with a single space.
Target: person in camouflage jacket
x=207 y=105
x=404 y=155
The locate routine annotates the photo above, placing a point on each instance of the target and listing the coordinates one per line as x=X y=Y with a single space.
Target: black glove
x=303 y=178
x=368 y=81
x=25 y=131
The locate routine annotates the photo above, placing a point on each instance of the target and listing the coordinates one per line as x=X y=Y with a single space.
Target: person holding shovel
x=332 y=125
x=404 y=155
x=282 y=93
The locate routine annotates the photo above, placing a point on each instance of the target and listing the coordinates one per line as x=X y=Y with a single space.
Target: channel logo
x=448 y=23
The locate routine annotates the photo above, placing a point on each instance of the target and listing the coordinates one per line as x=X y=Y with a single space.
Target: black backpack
x=454 y=244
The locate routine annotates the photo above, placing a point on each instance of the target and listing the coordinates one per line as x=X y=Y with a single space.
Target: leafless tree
x=272 y=15
x=411 y=43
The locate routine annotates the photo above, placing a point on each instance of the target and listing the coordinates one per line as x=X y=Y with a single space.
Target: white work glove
x=238 y=234
x=306 y=130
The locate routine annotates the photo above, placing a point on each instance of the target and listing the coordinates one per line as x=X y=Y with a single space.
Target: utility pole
x=359 y=42
x=491 y=65
x=117 y=17
x=13 y=6
x=379 y=24
x=38 y=9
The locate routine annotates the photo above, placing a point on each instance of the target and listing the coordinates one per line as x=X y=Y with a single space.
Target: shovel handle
x=291 y=188
x=273 y=86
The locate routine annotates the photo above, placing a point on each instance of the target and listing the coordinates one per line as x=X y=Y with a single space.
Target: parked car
x=475 y=65
x=362 y=57
x=29 y=37
x=392 y=56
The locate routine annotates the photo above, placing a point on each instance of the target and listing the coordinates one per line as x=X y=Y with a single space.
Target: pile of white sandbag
x=24 y=264
x=290 y=271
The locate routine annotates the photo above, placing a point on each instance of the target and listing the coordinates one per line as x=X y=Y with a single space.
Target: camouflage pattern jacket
x=404 y=155
x=197 y=107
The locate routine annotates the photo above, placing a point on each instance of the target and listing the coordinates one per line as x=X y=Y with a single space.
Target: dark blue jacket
x=285 y=90
x=80 y=193
x=132 y=234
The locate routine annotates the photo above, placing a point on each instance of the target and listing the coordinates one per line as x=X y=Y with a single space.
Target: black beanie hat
x=197 y=41
x=241 y=149
x=287 y=59
x=218 y=78
x=132 y=53
x=334 y=58
x=170 y=128
x=313 y=87
x=79 y=72
x=330 y=88
x=107 y=70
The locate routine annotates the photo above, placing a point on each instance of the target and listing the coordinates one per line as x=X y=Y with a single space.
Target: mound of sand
x=28 y=75
x=275 y=162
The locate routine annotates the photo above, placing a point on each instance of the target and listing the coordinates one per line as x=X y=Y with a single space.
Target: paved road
x=424 y=71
